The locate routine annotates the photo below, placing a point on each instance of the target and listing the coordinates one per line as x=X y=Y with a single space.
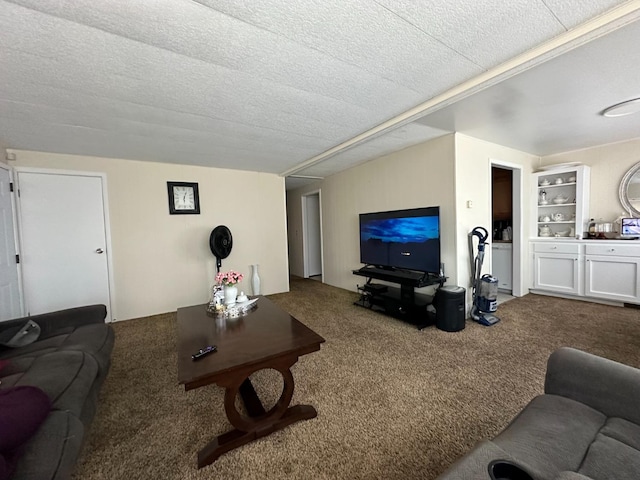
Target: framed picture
x=183 y=198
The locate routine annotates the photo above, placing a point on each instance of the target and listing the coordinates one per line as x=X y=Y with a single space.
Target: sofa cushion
x=22 y=411
x=65 y=376
x=551 y=435
x=52 y=452
x=623 y=430
x=475 y=464
x=96 y=339
x=614 y=453
x=571 y=476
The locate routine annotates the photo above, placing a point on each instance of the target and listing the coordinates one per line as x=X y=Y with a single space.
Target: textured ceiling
x=271 y=85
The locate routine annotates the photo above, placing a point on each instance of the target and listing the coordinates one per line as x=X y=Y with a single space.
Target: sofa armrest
x=607 y=386
x=71 y=317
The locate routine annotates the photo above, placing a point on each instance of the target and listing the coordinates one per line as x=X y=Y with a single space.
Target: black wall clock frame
x=187 y=205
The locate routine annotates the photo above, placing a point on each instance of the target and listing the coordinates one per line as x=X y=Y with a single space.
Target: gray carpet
x=393 y=402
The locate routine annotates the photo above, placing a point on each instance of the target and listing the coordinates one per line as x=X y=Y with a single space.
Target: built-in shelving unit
x=561 y=201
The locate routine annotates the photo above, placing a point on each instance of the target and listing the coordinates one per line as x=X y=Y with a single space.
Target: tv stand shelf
x=403 y=302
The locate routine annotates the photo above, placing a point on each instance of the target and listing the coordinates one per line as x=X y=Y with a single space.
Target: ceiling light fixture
x=622 y=109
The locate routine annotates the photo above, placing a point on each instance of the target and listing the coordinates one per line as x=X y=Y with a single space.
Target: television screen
x=408 y=239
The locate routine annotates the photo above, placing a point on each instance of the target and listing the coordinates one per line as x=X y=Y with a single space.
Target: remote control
x=204 y=351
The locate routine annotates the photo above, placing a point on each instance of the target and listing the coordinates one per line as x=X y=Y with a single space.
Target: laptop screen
x=630 y=227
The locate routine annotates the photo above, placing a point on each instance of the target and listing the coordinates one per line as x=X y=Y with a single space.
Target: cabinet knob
x=612 y=249
x=554 y=247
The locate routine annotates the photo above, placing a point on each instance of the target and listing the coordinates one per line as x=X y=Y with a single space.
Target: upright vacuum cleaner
x=485 y=288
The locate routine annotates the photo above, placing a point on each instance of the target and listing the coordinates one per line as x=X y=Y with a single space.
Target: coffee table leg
x=259 y=423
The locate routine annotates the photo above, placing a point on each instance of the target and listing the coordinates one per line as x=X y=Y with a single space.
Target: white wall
x=473 y=183
x=161 y=261
x=419 y=176
x=608 y=165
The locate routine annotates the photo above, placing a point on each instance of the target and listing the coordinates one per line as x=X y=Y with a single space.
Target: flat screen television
x=403 y=239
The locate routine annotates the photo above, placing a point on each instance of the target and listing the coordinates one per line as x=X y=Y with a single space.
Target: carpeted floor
x=393 y=402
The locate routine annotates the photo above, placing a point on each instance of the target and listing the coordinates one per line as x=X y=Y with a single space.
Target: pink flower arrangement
x=228 y=278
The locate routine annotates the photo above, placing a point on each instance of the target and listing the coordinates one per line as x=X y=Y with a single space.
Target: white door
x=10 y=304
x=312 y=235
x=64 y=243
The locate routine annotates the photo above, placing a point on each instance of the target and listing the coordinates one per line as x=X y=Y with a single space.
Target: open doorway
x=507 y=228
x=312 y=236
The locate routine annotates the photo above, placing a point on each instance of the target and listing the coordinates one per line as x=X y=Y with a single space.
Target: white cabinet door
x=613 y=278
x=558 y=272
x=502 y=264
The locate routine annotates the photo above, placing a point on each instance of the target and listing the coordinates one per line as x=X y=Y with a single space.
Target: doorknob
x=99 y=250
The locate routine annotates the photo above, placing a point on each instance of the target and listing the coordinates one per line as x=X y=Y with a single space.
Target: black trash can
x=450 y=308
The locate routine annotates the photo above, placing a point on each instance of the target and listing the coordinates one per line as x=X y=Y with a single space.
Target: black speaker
x=450 y=309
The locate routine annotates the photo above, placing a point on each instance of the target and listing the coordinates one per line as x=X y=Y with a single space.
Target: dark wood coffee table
x=267 y=337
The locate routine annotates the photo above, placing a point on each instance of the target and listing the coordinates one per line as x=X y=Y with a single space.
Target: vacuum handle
x=481 y=233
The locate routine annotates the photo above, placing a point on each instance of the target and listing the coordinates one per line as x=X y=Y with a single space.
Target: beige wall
x=473 y=183
x=161 y=261
x=608 y=165
x=419 y=176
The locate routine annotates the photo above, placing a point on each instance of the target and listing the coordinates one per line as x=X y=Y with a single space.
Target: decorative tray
x=233 y=311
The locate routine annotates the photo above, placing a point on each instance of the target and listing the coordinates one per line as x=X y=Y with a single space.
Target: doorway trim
x=112 y=314
x=16 y=237
x=517 y=287
x=305 y=240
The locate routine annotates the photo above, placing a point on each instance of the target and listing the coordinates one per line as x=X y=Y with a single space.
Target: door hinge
x=17 y=258
x=11 y=186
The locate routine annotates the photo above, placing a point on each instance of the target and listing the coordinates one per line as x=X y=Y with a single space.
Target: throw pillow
x=21 y=335
x=22 y=410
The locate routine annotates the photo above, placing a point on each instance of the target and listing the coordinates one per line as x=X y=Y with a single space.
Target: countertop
x=584 y=240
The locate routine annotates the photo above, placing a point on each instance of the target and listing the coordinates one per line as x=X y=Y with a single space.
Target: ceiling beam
x=599 y=26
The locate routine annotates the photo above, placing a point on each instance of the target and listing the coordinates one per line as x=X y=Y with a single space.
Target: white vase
x=230 y=294
x=255 y=280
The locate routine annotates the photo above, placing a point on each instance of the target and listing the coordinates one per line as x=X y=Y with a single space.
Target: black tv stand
x=403 y=302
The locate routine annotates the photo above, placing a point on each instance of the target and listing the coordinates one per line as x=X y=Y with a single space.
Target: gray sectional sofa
x=69 y=362
x=585 y=426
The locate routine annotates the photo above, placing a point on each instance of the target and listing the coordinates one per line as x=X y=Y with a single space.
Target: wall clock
x=183 y=198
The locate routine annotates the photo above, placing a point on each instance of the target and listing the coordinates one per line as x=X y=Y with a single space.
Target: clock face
x=184 y=198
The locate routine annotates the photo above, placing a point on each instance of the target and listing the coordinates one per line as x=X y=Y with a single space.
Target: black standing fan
x=220 y=242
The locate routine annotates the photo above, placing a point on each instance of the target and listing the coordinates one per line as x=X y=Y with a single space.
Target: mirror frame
x=624 y=186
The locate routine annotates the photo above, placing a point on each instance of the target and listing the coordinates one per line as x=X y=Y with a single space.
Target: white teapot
x=545 y=231
x=557 y=217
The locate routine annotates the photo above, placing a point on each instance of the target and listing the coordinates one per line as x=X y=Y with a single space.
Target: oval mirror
x=630 y=190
